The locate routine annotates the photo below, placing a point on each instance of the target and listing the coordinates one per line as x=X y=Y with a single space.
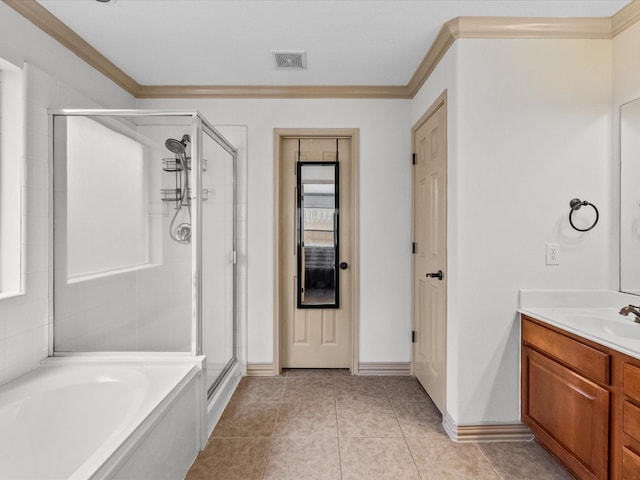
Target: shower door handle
x=343 y=265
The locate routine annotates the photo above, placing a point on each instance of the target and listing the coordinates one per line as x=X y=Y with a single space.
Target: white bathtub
x=97 y=420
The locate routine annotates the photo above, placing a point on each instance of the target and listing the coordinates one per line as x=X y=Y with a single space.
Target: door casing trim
x=354 y=263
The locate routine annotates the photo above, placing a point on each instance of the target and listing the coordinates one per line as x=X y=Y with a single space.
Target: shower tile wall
x=25 y=320
x=143 y=310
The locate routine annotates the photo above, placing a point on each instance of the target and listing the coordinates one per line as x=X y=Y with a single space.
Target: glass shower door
x=218 y=258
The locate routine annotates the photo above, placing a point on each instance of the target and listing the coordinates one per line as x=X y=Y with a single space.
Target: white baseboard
x=510 y=432
x=390 y=368
x=260 y=370
x=364 y=368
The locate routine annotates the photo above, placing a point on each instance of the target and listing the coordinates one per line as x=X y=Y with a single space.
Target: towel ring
x=577 y=204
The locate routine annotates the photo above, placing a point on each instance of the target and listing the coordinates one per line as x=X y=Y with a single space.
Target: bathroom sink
x=605 y=325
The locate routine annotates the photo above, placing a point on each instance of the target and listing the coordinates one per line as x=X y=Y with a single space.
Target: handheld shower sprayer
x=178 y=147
x=175 y=146
x=181 y=234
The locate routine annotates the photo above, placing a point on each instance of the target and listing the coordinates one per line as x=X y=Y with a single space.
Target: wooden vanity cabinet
x=566 y=397
x=582 y=402
x=626 y=438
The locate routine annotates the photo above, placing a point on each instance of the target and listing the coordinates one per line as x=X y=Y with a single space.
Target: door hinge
x=413 y=159
x=413 y=336
x=413 y=248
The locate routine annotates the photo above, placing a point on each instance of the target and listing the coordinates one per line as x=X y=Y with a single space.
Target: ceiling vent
x=290 y=60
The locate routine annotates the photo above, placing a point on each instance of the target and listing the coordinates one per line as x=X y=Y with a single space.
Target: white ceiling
x=229 y=42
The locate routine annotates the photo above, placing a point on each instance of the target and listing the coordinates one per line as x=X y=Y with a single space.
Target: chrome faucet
x=631 y=309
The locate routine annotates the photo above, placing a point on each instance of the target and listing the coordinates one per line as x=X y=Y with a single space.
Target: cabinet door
x=630 y=465
x=568 y=414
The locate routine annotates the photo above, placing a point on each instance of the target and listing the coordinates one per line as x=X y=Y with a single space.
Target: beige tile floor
x=326 y=424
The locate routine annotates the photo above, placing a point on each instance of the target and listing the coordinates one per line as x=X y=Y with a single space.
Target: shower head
x=175 y=146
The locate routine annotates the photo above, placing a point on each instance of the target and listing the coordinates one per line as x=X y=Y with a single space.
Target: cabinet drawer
x=584 y=359
x=631 y=420
x=631 y=382
x=568 y=413
x=630 y=465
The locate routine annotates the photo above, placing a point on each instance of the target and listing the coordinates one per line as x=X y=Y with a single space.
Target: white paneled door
x=430 y=258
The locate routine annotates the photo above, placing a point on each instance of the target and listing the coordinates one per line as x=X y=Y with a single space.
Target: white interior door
x=429 y=266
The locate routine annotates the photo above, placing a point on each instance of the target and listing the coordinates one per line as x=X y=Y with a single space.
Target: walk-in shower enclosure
x=144 y=235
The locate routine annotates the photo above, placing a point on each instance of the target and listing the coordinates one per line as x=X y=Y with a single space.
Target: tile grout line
x=335 y=408
x=412 y=457
x=475 y=444
x=273 y=431
x=404 y=436
x=266 y=458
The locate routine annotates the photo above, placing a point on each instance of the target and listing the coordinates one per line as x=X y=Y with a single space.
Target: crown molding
x=460 y=27
x=531 y=27
x=438 y=49
x=625 y=17
x=272 y=91
x=48 y=23
x=505 y=27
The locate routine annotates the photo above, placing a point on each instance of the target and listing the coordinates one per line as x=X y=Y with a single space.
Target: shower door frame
x=199 y=126
x=202 y=125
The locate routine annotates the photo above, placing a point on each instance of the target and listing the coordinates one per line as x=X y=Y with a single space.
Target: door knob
x=439 y=275
x=343 y=265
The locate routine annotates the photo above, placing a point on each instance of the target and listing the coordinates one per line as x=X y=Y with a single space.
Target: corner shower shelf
x=170 y=194
x=171 y=165
x=175 y=195
x=174 y=165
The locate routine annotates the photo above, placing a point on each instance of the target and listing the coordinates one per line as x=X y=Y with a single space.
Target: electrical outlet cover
x=553 y=254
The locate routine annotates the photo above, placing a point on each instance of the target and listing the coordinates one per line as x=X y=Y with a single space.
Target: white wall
x=385 y=184
x=529 y=129
x=25 y=319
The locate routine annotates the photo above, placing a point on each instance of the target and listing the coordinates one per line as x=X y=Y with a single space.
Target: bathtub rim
x=127 y=447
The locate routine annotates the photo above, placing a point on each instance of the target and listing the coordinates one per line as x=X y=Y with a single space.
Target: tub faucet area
x=631 y=309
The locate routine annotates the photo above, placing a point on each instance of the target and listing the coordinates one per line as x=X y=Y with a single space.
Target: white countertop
x=601 y=325
x=593 y=315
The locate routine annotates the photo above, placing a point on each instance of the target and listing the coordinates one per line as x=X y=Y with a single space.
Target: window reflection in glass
x=317 y=235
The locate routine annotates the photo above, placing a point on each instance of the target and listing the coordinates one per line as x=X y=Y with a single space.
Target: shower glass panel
x=144 y=235
x=218 y=258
